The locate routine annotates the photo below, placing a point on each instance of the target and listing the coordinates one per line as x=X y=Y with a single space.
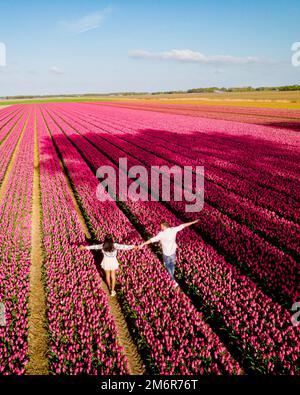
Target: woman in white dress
x=109 y=263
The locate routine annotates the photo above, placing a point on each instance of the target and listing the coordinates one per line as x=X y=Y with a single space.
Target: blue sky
x=137 y=45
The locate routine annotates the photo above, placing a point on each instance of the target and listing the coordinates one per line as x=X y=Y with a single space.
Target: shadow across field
x=246 y=150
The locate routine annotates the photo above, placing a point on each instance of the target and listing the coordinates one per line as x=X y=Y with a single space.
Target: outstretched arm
x=190 y=223
x=154 y=239
x=183 y=226
x=124 y=247
x=94 y=247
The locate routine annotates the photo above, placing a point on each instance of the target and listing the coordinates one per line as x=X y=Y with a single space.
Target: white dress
x=110 y=261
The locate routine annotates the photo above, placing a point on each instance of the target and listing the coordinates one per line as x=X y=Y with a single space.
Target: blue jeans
x=169 y=262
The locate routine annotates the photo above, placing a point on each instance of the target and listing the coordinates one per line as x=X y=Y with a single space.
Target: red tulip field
x=238 y=268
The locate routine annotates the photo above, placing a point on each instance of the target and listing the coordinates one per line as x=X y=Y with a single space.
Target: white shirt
x=167 y=239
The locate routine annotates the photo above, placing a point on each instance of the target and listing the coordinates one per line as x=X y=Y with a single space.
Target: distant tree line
x=245 y=89
x=212 y=89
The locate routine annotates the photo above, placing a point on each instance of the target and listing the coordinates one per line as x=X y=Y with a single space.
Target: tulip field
x=238 y=268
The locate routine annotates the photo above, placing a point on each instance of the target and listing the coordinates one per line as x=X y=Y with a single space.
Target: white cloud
x=86 y=22
x=187 y=55
x=56 y=70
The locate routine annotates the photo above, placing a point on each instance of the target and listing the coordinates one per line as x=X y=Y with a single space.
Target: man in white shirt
x=167 y=238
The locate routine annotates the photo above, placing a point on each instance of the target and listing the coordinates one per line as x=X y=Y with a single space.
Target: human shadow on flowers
x=243 y=149
x=263 y=155
x=97 y=255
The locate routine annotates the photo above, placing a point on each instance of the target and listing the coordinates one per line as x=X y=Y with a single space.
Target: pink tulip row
x=238 y=207
x=5 y=120
x=4 y=113
x=242 y=153
x=241 y=180
x=82 y=333
x=272 y=112
x=247 y=185
x=225 y=154
x=258 y=116
x=197 y=127
x=235 y=165
x=238 y=242
x=229 y=178
x=7 y=113
x=174 y=142
x=275 y=165
x=169 y=331
x=267 y=345
x=8 y=127
x=279 y=271
x=9 y=136
x=15 y=240
x=201 y=126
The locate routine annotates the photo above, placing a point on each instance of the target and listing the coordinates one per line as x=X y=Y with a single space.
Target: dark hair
x=165 y=224
x=108 y=244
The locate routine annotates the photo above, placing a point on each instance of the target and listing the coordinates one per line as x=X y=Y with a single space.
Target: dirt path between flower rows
x=37 y=337
x=123 y=334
